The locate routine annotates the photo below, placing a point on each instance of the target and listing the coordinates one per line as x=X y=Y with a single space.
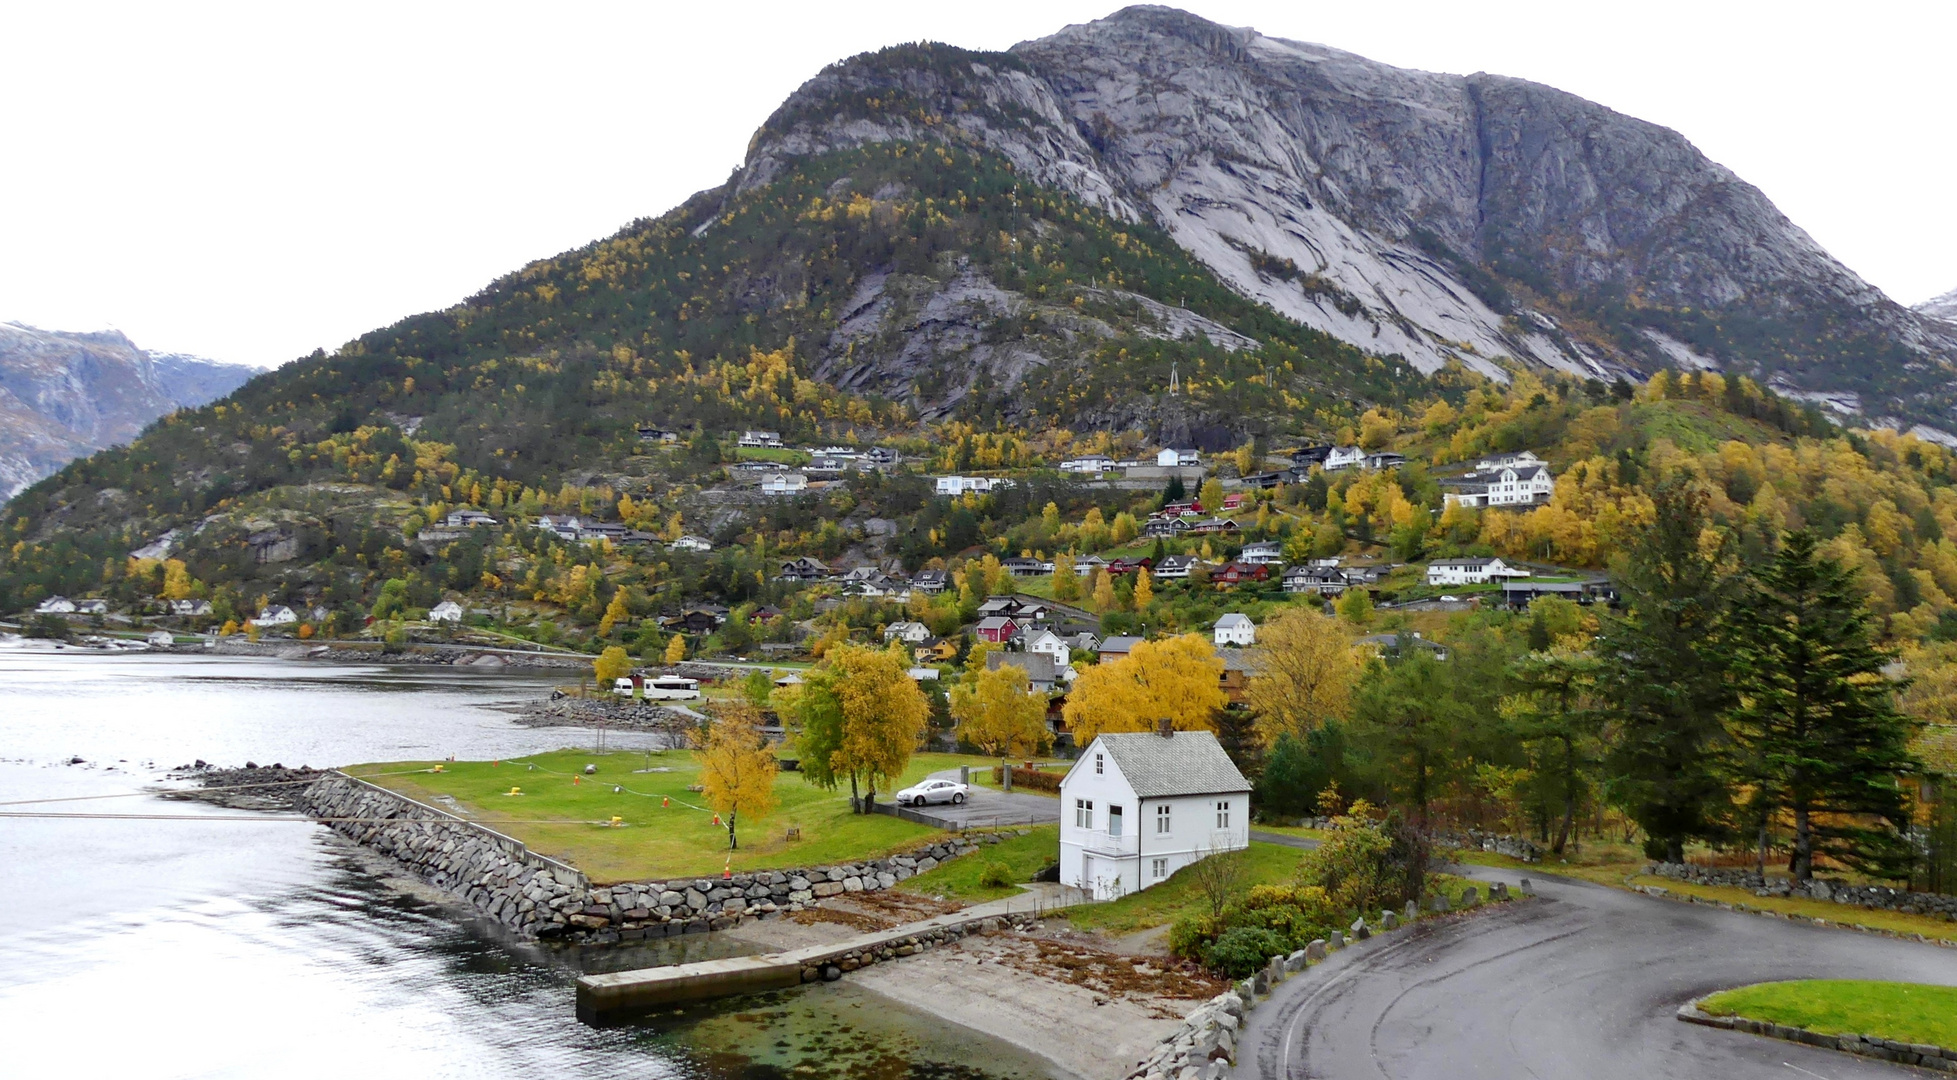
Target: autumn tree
x=999 y=713
x=1211 y=495
x=1066 y=584
x=177 y=582
x=1103 y=590
x=611 y=665
x=1144 y=588
x=676 y=649
x=615 y=612
x=883 y=716
x=1355 y=606
x=1304 y=666
x=1818 y=734
x=1177 y=679
x=737 y=768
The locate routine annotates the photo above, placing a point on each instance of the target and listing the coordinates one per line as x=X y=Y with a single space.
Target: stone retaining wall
x=831 y=968
x=536 y=896
x=1921 y=1055
x=1879 y=897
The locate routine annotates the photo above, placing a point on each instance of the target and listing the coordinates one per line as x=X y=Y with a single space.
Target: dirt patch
x=902 y=907
x=855 y=920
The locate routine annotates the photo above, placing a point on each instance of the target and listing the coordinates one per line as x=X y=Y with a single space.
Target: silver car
x=930 y=791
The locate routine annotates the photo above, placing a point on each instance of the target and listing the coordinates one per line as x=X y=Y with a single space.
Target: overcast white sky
x=251 y=182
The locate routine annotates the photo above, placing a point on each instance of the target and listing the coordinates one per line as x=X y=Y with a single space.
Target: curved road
x=1581 y=984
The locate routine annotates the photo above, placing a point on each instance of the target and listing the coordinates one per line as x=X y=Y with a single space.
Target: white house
x=91 y=607
x=1263 y=553
x=959 y=485
x=1236 y=629
x=1344 y=457
x=160 y=639
x=1523 y=460
x=55 y=605
x=1515 y=485
x=689 y=542
x=447 y=611
x=1178 y=458
x=276 y=615
x=467 y=519
x=190 y=607
x=1470 y=571
x=761 y=438
x=1051 y=644
x=1091 y=464
x=787 y=483
x=1137 y=807
x=915 y=633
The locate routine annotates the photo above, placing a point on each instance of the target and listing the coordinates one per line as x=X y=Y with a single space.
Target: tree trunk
x=1761 y=861
x=855 y=800
x=1675 y=849
x=1569 y=798
x=732 y=845
x=1803 y=846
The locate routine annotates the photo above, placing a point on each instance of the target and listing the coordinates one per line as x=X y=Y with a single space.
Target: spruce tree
x=1664 y=680
x=1817 y=731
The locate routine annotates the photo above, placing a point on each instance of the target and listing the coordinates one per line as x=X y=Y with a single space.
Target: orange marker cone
x=576 y=779
x=665 y=802
x=716 y=819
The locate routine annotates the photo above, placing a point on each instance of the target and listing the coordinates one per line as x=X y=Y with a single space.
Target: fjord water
x=233 y=948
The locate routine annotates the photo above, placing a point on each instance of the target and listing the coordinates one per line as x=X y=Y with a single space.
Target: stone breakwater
x=1203 y=1046
x=536 y=896
x=1878 y=897
x=831 y=968
x=1921 y=1055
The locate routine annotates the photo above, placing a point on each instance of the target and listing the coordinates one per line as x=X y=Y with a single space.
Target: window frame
x=1164 y=820
x=1083 y=813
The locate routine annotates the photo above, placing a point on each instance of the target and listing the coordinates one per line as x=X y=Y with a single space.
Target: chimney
x=1165 y=729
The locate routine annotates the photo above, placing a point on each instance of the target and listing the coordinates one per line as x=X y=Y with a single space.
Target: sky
x=250 y=182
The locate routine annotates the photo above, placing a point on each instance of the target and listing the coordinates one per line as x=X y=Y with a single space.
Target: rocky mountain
x=1943 y=307
x=1439 y=218
x=65 y=395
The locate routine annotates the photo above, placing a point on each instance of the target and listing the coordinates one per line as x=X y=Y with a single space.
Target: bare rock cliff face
x=1943 y=307
x=65 y=395
x=1474 y=219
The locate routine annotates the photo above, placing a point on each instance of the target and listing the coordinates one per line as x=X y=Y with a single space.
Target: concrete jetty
x=620 y=995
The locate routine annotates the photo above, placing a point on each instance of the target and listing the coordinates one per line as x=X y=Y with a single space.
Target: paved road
x=986 y=806
x=1581 y=984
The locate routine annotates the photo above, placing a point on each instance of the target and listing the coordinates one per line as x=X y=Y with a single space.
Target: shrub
x=1191 y=936
x=995 y=875
x=1365 y=864
x=1241 y=951
x=1030 y=779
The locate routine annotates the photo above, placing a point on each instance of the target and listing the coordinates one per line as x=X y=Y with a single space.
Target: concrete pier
x=620 y=995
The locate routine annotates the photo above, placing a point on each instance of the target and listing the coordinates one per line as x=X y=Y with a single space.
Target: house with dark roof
x=931 y=581
x=1041 y=672
x=1139 y=806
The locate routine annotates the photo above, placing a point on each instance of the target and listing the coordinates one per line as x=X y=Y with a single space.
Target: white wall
x=1084 y=861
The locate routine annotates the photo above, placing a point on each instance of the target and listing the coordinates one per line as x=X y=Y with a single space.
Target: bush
x=996 y=875
x=1030 y=779
x=1191 y=936
x=1365 y=864
x=1242 y=951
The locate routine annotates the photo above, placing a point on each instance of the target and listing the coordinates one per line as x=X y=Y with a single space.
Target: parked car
x=930 y=791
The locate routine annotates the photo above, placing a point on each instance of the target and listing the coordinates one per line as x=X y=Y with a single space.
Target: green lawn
x=784 y=455
x=565 y=815
x=1022 y=856
x=1906 y=1012
x=1159 y=905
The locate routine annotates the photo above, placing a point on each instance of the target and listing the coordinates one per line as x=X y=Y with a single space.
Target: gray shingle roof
x=1039 y=667
x=1190 y=763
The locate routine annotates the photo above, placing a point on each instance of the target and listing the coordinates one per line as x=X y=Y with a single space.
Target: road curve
x=1580 y=984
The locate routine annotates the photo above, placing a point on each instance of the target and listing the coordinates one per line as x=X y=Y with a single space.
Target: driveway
x=985 y=806
x=1581 y=983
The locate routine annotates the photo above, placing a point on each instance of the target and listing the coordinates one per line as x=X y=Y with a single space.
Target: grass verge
x=1905 y=1012
x=565 y=814
x=1021 y=856
x=1159 y=905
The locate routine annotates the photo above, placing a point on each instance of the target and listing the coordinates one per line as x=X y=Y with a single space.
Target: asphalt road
x=985 y=806
x=1580 y=984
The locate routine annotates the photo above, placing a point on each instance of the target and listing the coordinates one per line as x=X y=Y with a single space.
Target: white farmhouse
x=1512 y=485
x=770 y=439
x=959 y=485
x=1178 y=458
x=1137 y=807
x=785 y=484
x=1090 y=465
x=1236 y=629
x=276 y=615
x=689 y=542
x=1052 y=644
x=447 y=611
x=55 y=605
x=911 y=633
x=1470 y=571
x=1344 y=457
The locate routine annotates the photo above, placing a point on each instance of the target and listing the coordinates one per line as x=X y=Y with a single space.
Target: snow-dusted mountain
x=1444 y=218
x=65 y=395
x=1943 y=307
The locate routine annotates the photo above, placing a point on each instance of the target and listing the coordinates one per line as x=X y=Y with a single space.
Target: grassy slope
x=1907 y=1012
x=1022 y=856
x=565 y=819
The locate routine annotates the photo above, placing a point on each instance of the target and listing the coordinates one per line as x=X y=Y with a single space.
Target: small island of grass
x=1904 y=1012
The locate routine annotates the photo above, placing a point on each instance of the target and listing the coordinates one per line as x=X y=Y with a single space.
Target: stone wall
x=536 y=896
x=1880 y=897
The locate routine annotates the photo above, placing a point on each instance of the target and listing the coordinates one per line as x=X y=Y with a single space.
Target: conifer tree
x=1664 y=681
x=1816 y=726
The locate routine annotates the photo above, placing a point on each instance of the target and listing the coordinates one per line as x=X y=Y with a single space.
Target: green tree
x=1817 y=730
x=1664 y=680
x=1406 y=728
x=1554 y=716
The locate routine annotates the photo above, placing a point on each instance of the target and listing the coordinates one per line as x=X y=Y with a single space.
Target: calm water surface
x=225 y=948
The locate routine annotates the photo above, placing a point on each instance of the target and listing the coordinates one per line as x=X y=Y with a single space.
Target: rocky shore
x=254 y=787
x=617 y=713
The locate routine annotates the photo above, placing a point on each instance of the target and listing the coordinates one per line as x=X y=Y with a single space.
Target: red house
x=1232 y=574
x=1232 y=502
x=998 y=629
x=1186 y=508
x=1118 y=567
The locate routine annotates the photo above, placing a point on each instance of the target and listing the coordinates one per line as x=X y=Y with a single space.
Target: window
x=1223 y=815
x=1083 y=813
x=1097 y=765
x=1160 y=867
x=1114 y=821
x=1162 y=820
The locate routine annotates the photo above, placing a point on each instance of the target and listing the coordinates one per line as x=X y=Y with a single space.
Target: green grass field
x=1022 y=856
x=565 y=815
x=782 y=454
x=1159 y=905
x=1906 y=1012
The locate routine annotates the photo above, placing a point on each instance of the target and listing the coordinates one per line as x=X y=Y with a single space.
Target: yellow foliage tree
x=1305 y=666
x=1376 y=430
x=1211 y=495
x=1177 y=679
x=177 y=582
x=1144 y=589
x=611 y=665
x=884 y=714
x=676 y=649
x=998 y=713
x=737 y=769
x=1066 y=585
x=1103 y=590
x=615 y=612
